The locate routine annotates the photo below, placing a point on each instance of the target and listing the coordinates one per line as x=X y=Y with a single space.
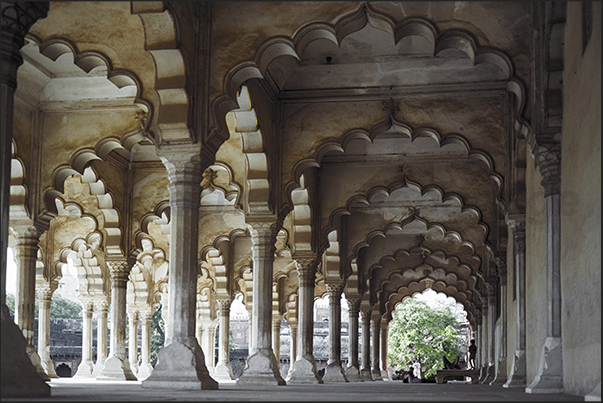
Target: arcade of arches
x=189 y=153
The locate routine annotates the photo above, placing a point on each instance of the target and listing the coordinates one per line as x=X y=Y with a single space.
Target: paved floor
x=68 y=389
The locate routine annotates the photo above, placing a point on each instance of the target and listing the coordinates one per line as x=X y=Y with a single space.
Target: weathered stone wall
x=581 y=205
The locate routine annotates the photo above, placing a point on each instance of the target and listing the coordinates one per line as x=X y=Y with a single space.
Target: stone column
x=223 y=369
x=365 y=369
x=182 y=350
x=44 y=300
x=86 y=367
x=549 y=378
x=276 y=340
x=501 y=363
x=491 y=325
x=262 y=368
x=208 y=345
x=293 y=349
x=117 y=367
x=133 y=340
x=517 y=375
x=483 y=342
x=304 y=369
x=376 y=327
x=384 y=330
x=102 y=308
x=19 y=377
x=334 y=371
x=146 y=368
x=25 y=300
x=250 y=331
x=353 y=369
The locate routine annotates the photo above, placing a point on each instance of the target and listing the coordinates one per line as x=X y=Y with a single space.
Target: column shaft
x=334 y=371
x=116 y=365
x=223 y=369
x=375 y=332
x=146 y=368
x=365 y=370
x=102 y=310
x=133 y=341
x=276 y=339
x=44 y=301
x=183 y=164
x=353 y=370
x=383 y=346
x=262 y=367
x=304 y=369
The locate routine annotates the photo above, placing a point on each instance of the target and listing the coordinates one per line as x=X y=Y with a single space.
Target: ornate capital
x=335 y=290
x=501 y=267
x=183 y=165
x=101 y=305
x=45 y=293
x=120 y=271
x=224 y=305
x=353 y=305
x=17 y=19
x=365 y=313
x=263 y=239
x=306 y=269
x=546 y=151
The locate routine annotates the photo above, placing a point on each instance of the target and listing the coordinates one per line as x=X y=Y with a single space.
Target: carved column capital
x=548 y=159
x=263 y=239
x=120 y=271
x=87 y=304
x=501 y=268
x=224 y=305
x=335 y=290
x=354 y=305
x=17 y=19
x=45 y=293
x=306 y=269
x=101 y=305
x=366 y=312
x=183 y=165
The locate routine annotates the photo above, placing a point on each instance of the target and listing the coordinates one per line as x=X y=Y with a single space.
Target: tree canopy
x=60 y=307
x=419 y=333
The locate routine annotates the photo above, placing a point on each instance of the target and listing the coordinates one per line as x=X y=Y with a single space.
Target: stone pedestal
x=334 y=371
x=86 y=367
x=102 y=308
x=304 y=369
x=353 y=370
x=549 y=378
x=262 y=368
x=181 y=362
x=117 y=366
x=223 y=371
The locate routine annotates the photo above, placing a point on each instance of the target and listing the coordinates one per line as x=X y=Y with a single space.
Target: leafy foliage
x=59 y=308
x=422 y=334
x=157 y=334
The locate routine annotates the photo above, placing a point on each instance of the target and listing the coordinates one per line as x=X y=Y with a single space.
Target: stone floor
x=69 y=389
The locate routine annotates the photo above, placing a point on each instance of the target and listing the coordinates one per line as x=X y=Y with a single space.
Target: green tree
x=422 y=334
x=157 y=334
x=59 y=308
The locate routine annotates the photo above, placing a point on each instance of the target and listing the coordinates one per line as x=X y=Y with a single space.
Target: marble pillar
x=293 y=349
x=19 y=377
x=365 y=369
x=181 y=362
x=517 y=374
x=276 y=340
x=133 y=340
x=375 y=333
x=501 y=361
x=117 y=366
x=223 y=371
x=86 y=367
x=102 y=309
x=304 y=369
x=491 y=325
x=208 y=344
x=262 y=368
x=334 y=371
x=145 y=369
x=44 y=301
x=353 y=369
x=383 y=345
x=549 y=378
x=25 y=300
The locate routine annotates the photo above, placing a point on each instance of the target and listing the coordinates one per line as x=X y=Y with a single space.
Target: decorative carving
x=353 y=305
x=263 y=239
x=120 y=271
x=391 y=107
x=306 y=268
x=334 y=290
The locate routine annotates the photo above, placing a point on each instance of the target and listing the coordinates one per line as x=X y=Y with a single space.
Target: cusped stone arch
x=148 y=275
x=159 y=219
x=91 y=61
x=219 y=189
x=316 y=41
